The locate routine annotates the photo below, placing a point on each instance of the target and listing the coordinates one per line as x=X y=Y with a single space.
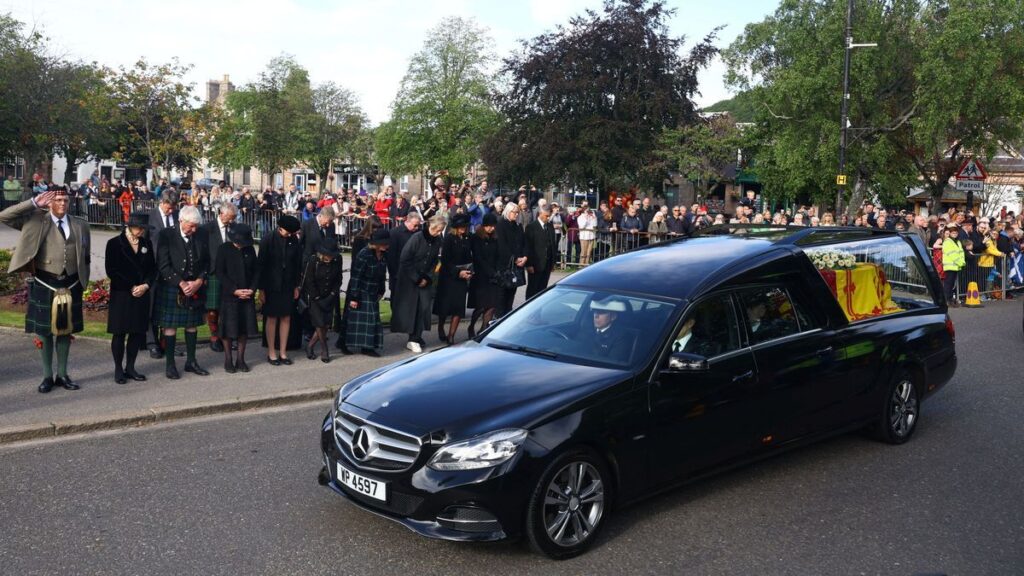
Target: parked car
x=642 y=372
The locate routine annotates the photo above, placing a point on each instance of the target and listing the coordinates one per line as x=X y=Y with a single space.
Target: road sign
x=971 y=170
x=841 y=180
x=976 y=185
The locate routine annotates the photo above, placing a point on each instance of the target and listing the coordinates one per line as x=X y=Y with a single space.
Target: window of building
x=246 y=176
x=403 y=185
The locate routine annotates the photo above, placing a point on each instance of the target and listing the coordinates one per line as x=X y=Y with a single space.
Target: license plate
x=363 y=485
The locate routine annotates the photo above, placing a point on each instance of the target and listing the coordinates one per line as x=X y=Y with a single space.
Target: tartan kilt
x=170 y=315
x=212 y=292
x=38 y=318
x=363 y=328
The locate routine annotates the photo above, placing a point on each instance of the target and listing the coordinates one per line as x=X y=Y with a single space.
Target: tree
x=88 y=130
x=703 y=151
x=442 y=112
x=156 y=118
x=588 y=101
x=944 y=80
x=332 y=129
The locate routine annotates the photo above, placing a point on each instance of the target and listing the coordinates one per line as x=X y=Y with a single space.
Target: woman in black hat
x=486 y=294
x=131 y=267
x=280 y=265
x=366 y=286
x=321 y=281
x=453 y=280
x=238 y=269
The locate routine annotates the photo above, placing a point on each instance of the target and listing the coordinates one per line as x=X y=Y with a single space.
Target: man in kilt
x=216 y=233
x=365 y=289
x=54 y=248
x=182 y=260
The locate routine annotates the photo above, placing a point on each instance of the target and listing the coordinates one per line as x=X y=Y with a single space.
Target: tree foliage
x=443 y=111
x=703 y=151
x=589 y=100
x=945 y=80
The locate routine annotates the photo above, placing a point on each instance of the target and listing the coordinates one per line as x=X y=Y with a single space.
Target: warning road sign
x=971 y=170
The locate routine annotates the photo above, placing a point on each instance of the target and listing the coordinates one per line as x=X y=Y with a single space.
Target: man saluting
x=54 y=248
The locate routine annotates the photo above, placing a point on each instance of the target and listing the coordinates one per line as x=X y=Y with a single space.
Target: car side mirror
x=687 y=362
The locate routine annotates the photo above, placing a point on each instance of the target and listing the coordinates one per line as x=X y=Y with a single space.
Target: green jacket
x=952 y=255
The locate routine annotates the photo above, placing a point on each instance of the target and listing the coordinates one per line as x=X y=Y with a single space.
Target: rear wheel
x=568 y=506
x=902 y=410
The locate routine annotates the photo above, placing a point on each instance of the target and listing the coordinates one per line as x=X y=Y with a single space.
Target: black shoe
x=286 y=361
x=242 y=366
x=66 y=382
x=46 y=385
x=370 y=352
x=326 y=358
x=194 y=368
x=155 y=352
x=119 y=375
x=172 y=373
x=273 y=361
x=228 y=367
x=216 y=345
x=310 y=354
x=131 y=373
x=440 y=333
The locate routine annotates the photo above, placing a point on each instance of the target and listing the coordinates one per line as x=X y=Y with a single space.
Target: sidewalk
x=103 y=404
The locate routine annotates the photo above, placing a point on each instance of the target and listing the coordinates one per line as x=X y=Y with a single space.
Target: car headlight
x=480 y=452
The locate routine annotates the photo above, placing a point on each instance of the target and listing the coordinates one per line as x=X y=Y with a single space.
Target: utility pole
x=844 y=120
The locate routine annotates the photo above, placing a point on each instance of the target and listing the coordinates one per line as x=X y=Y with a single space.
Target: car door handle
x=825 y=351
x=745 y=376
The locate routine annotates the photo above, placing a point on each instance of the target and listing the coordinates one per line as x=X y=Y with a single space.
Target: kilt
x=38 y=318
x=212 y=292
x=170 y=315
x=364 y=329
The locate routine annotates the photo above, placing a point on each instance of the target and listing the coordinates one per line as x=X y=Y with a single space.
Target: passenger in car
x=609 y=338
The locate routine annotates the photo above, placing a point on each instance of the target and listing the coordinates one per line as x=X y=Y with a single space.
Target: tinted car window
x=709 y=328
x=769 y=313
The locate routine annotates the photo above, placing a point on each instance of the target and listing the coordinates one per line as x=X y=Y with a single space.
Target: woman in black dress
x=131 y=267
x=511 y=254
x=453 y=281
x=321 y=281
x=486 y=294
x=280 y=264
x=238 y=270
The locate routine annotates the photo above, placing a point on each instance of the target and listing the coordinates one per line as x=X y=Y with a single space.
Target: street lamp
x=844 y=121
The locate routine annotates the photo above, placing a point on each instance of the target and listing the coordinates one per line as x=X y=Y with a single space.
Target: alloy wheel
x=573 y=504
x=903 y=414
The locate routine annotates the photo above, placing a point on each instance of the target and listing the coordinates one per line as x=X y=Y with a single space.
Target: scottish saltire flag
x=1017 y=268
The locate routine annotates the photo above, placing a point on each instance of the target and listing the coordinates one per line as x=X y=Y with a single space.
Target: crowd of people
x=193 y=260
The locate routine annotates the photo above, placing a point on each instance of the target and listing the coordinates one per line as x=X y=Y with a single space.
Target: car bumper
x=470 y=506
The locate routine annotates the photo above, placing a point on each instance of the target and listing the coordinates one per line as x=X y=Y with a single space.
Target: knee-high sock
x=169 y=343
x=62 y=345
x=135 y=343
x=47 y=355
x=190 y=346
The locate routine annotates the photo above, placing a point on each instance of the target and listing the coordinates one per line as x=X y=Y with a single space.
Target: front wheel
x=568 y=506
x=902 y=410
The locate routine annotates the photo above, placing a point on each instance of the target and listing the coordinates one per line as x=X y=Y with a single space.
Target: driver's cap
x=610 y=304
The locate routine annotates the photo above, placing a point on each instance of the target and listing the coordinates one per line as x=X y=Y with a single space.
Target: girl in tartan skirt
x=365 y=289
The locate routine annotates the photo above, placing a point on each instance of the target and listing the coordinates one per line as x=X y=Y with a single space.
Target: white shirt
x=681 y=343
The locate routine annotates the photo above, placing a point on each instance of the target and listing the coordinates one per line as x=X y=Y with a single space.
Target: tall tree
x=88 y=129
x=704 y=151
x=588 y=101
x=332 y=129
x=443 y=111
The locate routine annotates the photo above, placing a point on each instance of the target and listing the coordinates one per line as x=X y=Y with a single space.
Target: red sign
x=971 y=170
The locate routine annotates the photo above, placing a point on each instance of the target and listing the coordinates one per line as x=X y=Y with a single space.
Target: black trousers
x=537 y=282
x=949 y=283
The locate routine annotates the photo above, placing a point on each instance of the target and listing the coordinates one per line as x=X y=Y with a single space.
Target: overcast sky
x=364 y=45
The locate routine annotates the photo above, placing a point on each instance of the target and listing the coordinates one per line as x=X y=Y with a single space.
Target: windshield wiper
x=523 y=349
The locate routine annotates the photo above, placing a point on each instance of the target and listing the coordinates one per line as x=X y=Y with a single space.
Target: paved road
x=237 y=495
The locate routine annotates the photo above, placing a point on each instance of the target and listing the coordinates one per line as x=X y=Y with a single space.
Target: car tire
x=901 y=412
x=569 y=505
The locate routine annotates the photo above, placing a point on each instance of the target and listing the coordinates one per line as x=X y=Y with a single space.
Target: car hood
x=473 y=388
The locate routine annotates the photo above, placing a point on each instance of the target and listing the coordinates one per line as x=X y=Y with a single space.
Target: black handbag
x=507 y=278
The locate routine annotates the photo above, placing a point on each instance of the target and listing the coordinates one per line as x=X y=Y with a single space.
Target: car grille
x=390 y=450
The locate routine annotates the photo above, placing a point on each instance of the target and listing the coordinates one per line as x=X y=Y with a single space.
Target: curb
x=162 y=414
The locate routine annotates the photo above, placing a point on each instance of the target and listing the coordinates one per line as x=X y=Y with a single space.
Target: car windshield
x=583 y=325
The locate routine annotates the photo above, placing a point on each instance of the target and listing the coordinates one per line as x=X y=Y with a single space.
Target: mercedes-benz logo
x=361 y=443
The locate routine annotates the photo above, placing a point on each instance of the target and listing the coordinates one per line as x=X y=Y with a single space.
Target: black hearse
x=642 y=372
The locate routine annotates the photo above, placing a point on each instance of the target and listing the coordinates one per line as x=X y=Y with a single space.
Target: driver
x=609 y=338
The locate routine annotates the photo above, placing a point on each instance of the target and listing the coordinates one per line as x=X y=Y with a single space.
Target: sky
x=364 y=45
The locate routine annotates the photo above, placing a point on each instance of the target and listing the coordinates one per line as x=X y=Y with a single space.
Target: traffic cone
x=973 y=297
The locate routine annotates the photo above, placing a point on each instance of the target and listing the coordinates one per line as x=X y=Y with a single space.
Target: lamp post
x=844 y=120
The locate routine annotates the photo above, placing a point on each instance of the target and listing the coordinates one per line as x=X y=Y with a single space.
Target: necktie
x=170 y=222
x=60 y=226
x=677 y=347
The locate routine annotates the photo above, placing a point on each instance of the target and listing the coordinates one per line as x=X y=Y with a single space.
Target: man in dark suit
x=316 y=230
x=399 y=236
x=54 y=248
x=216 y=233
x=183 y=262
x=541 y=248
x=165 y=215
x=609 y=339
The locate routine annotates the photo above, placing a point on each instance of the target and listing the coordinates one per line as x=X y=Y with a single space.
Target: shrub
x=8 y=282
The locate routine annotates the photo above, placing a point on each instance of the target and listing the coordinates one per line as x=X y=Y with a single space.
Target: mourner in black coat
x=216 y=233
x=414 y=290
x=541 y=251
x=280 y=267
x=485 y=293
x=511 y=254
x=400 y=234
x=131 y=267
x=238 y=269
x=183 y=262
x=453 y=280
x=165 y=215
x=321 y=281
x=317 y=229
